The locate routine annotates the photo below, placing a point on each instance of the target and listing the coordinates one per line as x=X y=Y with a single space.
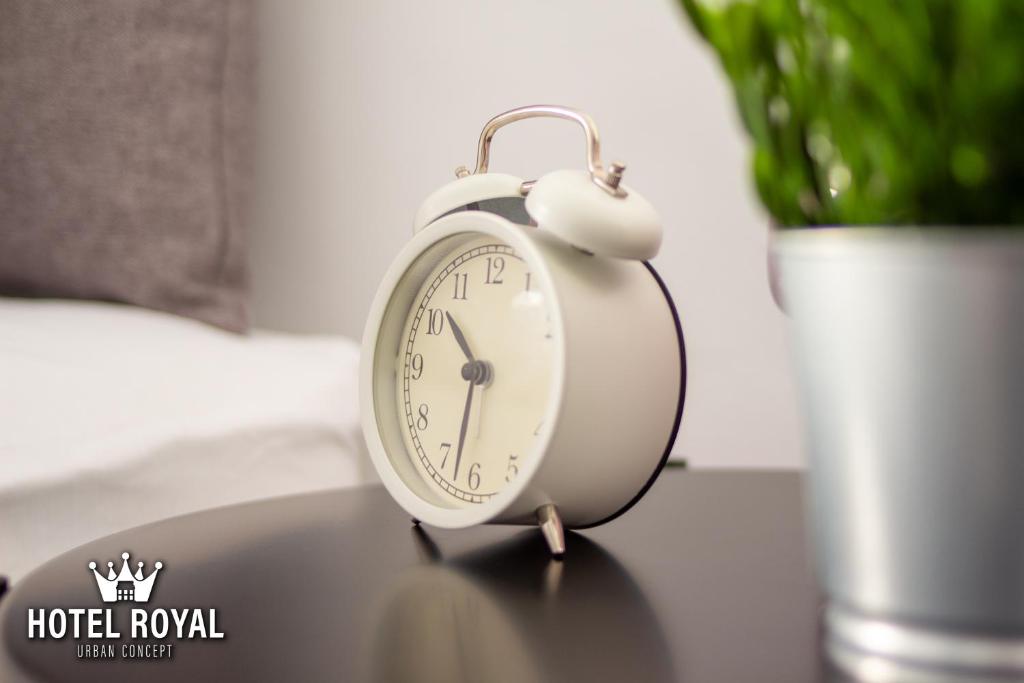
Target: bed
x=114 y=416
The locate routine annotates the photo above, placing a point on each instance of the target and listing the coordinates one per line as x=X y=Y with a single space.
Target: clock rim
x=481 y=223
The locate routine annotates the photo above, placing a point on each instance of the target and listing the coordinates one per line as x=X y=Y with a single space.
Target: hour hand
x=459 y=337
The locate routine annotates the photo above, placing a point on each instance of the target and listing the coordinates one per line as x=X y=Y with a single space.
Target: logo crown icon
x=123 y=586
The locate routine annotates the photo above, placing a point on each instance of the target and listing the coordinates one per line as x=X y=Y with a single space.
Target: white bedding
x=113 y=416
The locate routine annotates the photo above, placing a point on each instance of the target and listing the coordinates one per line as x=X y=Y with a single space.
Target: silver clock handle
x=608 y=180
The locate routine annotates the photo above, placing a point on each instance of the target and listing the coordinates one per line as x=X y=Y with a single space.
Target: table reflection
x=510 y=613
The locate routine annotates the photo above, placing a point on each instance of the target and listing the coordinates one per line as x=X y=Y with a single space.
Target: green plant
x=878 y=112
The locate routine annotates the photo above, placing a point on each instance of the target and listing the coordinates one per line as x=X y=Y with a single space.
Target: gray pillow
x=125 y=152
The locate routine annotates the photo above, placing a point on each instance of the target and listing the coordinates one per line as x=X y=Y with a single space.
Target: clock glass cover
x=473 y=370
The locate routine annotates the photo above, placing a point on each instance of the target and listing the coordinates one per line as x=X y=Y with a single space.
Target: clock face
x=474 y=371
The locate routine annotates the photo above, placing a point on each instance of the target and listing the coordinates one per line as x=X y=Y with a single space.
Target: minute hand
x=459 y=337
x=462 y=430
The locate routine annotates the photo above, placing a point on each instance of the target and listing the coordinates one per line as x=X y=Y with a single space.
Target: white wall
x=371 y=105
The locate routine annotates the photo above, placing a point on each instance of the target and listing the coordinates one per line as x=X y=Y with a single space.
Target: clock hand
x=465 y=423
x=459 y=337
x=476 y=373
x=479 y=373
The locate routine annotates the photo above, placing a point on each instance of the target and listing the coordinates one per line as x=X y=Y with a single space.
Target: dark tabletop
x=707 y=579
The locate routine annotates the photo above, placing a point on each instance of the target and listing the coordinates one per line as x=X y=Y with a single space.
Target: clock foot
x=551 y=526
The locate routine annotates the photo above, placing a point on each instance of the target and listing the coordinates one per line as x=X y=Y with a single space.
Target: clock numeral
x=435 y=321
x=417 y=366
x=446 y=448
x=421 y=421
x=513 y=468
x=528 y=281
x=461 y=280
x=474 y=477
x=495 y=267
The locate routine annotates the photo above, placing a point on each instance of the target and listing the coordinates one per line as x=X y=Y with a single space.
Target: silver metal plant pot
x=909 y=349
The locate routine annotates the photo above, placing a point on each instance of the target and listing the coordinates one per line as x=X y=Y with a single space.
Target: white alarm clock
x=522 y=362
